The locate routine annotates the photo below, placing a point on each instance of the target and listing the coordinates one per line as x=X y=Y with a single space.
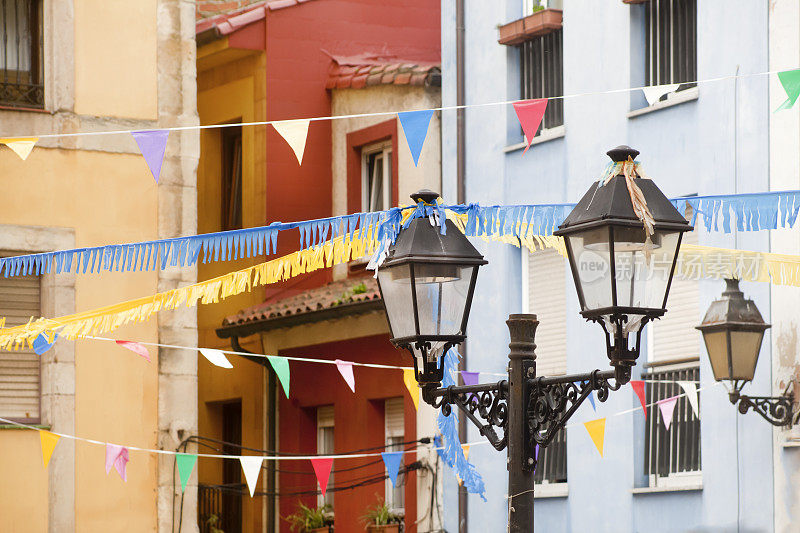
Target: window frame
x=390 y=433
x=654 y=28
x=35 y=73
x=357 y=140
x=326 y=420
x=230 y=136
x=535 y=82
x=387 y=150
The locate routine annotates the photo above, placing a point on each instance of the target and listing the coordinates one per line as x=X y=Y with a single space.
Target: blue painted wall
x=689 y=148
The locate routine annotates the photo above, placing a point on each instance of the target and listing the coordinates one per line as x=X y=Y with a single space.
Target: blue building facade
x=709 y=138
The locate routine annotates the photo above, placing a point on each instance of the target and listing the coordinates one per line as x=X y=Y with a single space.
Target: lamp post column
x=521 y=367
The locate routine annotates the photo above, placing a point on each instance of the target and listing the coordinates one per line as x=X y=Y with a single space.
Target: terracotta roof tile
x=351 y=72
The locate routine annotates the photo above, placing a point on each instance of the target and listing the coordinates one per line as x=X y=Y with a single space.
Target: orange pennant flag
x=49 y=441
x=411 y=385
x=597 y=431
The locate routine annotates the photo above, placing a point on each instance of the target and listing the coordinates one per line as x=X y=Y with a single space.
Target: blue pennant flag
x=591 y=399
x=392 y=462
x=415 y=126
x=40 y=344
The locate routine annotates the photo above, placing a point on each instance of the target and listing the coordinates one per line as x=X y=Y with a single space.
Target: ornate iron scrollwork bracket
x=777 y=410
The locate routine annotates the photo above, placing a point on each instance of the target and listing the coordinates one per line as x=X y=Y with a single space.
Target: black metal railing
x=541 y=73
x=552 y=464
x=671 y=42
x=678 y=449
x=220 y=507
x=22 y=83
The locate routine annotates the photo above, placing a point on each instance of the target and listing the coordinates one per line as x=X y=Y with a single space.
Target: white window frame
x=390 y=434
x=325 y=419
x=384 y=147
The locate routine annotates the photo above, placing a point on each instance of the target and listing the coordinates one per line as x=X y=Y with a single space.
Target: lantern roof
x=422 y=241
x=612 y=201
x=733 y=311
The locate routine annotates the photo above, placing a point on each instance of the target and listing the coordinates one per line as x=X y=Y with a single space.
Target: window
x=544 y=294
x=23 y=80
x=20 y=374
x=541 y=74
x=671 y=42
x=231 y=186
x=231 y=515
x=325 y=446
x=395 y=437
x=376 y=177
x=532 y=6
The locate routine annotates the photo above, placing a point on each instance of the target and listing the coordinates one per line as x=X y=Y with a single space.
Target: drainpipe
x=461 y=198
x=272 y=417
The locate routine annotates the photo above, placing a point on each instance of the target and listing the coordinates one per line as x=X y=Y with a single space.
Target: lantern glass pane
x=745 y=346
x=395 y=283
x=590 y=253
x=643 y=266
x=442 y=291
x=717 y=348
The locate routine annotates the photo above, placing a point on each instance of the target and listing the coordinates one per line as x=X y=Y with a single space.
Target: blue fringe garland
x=745 y=212
x=453 y=453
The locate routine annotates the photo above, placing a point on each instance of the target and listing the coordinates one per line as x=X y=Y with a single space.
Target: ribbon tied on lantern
x=631 y=170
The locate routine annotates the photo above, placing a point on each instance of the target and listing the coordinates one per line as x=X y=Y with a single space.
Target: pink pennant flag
x=117 y=456
x=322 y=468
x=136 y=348
x=530 y=113
x=152 y=144
x=346 y=370
x=667 y=408
x=638 y=388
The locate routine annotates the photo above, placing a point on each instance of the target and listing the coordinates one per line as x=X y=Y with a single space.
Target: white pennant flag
x=294 y=132
x=653 y=94
x=251 y=466
x=216 y=357
x=691 y=394
x=21 y=146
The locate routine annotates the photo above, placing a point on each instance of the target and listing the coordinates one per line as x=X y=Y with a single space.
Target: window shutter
x=547 y=300
x=20 y=299
x=674 y=336
x=395 y=417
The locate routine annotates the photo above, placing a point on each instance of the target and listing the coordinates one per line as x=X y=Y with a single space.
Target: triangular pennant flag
x=465 y=447
x=638 y=388
x=411 y=384
x=294 y=132
x=251 y=466
x=597 y=431
x=117 y=457
x=136 y=348
x=415 y=126
x=346 y=370
x=654 y=93
x=667 y=408
x=49 y=441
x=152 y=144
x=591 y=400
x=281 y=367
x=41 y=343
x=216 y=357
x=470 y=378
x=790 y=79
x=186 y=463
x=530 y=113
x=691 y=394
x=535 y=457
x=322 y=468
x=392 y=462
x=21 y=146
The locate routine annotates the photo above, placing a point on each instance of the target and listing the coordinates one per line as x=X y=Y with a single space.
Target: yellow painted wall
x=105 y=198
x=115 y=58
x=232 y=89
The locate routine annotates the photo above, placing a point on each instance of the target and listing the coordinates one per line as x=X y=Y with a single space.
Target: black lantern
x=426 y=283
x=622 y=273
x=733 y=331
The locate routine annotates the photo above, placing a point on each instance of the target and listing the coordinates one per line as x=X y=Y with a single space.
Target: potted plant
x=308 y=520
x=380 y=519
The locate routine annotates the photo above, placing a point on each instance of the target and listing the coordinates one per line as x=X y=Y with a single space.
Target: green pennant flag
x=186 y=462
x=281 y=367
x=790 y=79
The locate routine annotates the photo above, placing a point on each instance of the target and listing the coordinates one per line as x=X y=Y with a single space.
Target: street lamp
x=622 y=266
x=733 y=331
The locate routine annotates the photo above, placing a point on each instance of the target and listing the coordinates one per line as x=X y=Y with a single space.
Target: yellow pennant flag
x=597 y=430
x=294 y=132
x=49 y=441
x=21 y=146
x=465 y=447
x=411 y=385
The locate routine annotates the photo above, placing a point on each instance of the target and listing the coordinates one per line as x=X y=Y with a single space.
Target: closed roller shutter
x=547 y=300
x=395 y=418
x=20 y=299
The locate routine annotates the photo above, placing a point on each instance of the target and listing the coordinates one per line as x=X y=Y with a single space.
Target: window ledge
x=680 y=97
x=550 y=490
x=28 y=426
x=546 y=135
x=521 y=30
x=689 y=487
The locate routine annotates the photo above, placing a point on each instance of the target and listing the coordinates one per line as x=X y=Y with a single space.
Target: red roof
x=227 y=23
x=366 y=70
